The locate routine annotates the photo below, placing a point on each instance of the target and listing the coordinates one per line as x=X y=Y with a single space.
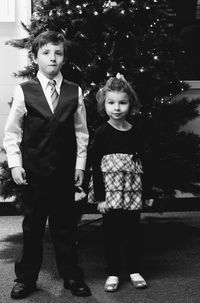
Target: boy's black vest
x=48 y=140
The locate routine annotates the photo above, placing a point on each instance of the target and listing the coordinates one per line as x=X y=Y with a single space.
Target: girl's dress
x=116 y=168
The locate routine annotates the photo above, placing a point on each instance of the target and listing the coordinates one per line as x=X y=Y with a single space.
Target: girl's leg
x=133 y=247
x=111 y=226
x=131 y=226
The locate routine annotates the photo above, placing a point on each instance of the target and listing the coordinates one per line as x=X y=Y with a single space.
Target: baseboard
x=159 y=205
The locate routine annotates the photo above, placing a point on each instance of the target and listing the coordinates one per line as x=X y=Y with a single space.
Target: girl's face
x=50 y=59
x=117 y=105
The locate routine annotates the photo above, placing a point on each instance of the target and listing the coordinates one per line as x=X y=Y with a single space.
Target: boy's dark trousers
x=122 y=227
x=53 y=198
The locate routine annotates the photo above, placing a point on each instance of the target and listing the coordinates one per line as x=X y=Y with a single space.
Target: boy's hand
x=19 y=175
x=102 y=207
x=79 y=176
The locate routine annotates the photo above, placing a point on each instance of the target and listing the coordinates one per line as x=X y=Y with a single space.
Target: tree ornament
x=52 y=12
x=86 y=92
x=36 y=16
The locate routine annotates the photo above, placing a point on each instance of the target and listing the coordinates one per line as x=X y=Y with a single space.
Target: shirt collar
x=44 y=80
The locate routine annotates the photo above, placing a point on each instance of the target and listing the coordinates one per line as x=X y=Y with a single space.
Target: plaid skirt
x=122 y=179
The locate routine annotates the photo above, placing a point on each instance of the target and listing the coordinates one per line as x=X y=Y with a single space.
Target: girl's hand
x=149 y=202
x=102 y=207
x=19 y=175
x=79 y=175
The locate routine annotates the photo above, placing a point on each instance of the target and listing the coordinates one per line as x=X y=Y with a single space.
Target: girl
x=117 y=184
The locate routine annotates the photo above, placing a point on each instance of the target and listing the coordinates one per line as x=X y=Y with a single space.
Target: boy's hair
x=118 y=84
x=48 y=37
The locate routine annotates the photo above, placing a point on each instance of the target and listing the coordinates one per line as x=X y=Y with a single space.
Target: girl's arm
x=146 y=180
x=96 y=156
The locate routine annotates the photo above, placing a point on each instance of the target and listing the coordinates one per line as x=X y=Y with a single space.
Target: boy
x=46 y=140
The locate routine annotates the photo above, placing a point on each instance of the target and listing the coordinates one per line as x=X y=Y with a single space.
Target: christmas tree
x=137 y=39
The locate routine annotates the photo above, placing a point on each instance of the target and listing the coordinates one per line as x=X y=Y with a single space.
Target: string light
x=69 y=12
x=51 y=13
x=109 y=4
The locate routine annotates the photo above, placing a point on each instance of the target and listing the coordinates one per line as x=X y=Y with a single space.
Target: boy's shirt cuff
x=80 y=163
x=14 y=161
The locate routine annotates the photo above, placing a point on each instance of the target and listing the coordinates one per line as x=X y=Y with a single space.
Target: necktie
x=54 y=94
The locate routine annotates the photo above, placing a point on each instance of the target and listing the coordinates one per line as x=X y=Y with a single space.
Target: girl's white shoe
x=112 y=284
x=138 y=281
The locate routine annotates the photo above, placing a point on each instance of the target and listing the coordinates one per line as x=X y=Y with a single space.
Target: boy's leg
x=28 y=265
x=63 y=228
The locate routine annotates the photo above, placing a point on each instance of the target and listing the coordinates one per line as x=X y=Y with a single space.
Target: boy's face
x=50 y=59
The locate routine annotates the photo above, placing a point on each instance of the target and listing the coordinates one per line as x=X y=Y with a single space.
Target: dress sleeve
x=146 y=176
x=96 y=156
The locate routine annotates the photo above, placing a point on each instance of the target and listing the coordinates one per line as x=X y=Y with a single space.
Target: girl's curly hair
x=118 y=84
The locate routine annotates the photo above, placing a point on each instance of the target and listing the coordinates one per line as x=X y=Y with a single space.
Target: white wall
x=11 y=59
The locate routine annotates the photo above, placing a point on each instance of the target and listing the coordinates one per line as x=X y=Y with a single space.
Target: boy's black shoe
x=21 y=290
x=77 y=287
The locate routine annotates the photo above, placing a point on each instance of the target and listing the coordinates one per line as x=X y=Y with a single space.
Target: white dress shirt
x=14 y=131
